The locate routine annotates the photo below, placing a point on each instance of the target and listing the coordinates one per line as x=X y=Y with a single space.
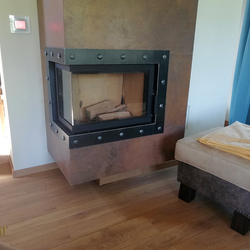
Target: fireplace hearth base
x=81 y=165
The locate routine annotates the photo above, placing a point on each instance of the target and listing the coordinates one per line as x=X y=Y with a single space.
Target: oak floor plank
x=59 y=180
x=51 y=178
x=127 y=187
x=219 y=237
x=61 y=219
x=180 y=212
x=82 y=193
x=34 y=199
x=27 y=214
x=131 y=183
x=245 y=247
x=46 y=241
x=18 y=188
x=5 y=171
x=42 y=211
x=166 y=239
x=151 y=190
x=97 y=224
x=135 y=209
x=114 y=237
x=4 y=158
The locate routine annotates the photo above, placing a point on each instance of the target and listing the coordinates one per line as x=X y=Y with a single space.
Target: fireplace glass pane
x=64 y=95
x=94 y=98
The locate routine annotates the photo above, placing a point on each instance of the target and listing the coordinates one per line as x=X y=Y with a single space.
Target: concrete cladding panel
x=130 y=24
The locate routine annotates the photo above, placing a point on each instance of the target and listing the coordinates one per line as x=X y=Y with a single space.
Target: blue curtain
x=240 y=103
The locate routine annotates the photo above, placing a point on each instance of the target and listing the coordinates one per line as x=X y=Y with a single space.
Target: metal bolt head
x=159 y=128
x=51 y=53
x=99 y=56
x=75 y=142
x=121 y=134
x=164 y=56
x=45 y=53
x=123 y=56
x=49 y=101
x=50 y=124
x=63 y=138
x=163 y=82
x=72 y=57
x=59 y=55
x=99 y=138
x=161 y=106
x=141 y=131
x=144 y=57
x=56 y=130
x=47 y=78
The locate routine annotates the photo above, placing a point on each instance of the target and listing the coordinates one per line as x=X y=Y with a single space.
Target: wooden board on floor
x=136 y=172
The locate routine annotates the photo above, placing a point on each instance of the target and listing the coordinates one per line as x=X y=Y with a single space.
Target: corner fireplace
x=99 y=96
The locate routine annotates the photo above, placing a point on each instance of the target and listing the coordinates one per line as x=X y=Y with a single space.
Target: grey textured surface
x=215 y=188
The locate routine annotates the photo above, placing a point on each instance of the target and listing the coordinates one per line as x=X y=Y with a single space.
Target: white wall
x=22 y=77
x=215 y=49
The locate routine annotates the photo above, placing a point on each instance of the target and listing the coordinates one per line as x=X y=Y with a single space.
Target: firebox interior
x=90 y=98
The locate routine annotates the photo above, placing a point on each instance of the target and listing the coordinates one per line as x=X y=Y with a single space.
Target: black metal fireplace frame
x=89 y=58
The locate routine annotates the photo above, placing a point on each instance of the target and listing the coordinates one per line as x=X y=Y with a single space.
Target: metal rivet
x=75 y=141
x=72 y=57
x=47 y=78
x=99 y=138
x=59 y=55
x=159 y=128
x=99 y=56
x=163 y=82
x=56 y=130
x=123 y=56
x=51 y=124
x=49 y=102
x=121 y=134
x=51 y=54
x=63 y=138
x=144 y=56
x=164 y=56
x=161 y=105
x=141 y=131
x=45 y=53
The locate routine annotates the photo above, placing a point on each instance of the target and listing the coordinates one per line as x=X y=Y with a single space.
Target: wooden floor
x=42 y=211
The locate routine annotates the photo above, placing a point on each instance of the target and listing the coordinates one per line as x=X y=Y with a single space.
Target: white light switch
x=19 y=24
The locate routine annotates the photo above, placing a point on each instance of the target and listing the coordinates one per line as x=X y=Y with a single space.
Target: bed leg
x=240 y=223
x=186 y=193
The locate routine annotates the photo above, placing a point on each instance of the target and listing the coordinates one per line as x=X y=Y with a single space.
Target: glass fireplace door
x=106 y=97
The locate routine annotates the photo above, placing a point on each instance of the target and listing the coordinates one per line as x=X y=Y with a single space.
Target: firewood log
x=100 y=108
x=113 y=116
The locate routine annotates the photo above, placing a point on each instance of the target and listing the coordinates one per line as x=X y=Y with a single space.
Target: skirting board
x=136 y=172
x=32 y=170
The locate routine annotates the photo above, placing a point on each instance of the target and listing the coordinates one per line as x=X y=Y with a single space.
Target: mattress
x=228 y=167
